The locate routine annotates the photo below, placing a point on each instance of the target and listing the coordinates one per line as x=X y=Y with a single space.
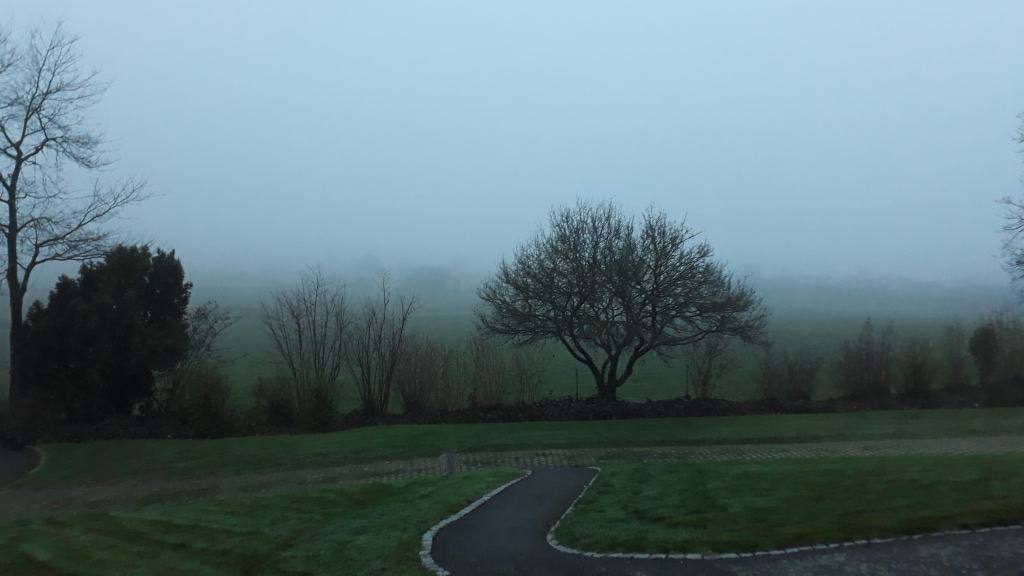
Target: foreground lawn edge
x=365 y=529
x=118 y=460
x=744 y=507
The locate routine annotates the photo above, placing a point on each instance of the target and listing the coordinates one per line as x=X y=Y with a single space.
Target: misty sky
x=854 y=138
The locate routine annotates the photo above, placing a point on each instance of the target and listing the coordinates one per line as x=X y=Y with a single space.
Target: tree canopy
x=92 y=350
x=612 y=288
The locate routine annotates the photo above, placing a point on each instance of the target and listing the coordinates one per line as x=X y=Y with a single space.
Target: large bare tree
x=45 y=97
x=1013 y=227
x=612 y=289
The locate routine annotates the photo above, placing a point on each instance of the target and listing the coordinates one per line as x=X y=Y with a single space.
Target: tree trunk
x=16 y=296
x=605 y=390
x=14 y=388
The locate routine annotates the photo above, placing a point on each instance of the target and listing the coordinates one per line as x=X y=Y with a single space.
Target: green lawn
x=747 y=506
x=120 y=460
x=366 y=529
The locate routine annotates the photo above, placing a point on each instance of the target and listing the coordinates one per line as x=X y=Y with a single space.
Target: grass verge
x=70 y=465
x=748 y=506
x=365 y=529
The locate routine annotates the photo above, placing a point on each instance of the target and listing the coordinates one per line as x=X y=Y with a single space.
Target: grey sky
x=817 y=138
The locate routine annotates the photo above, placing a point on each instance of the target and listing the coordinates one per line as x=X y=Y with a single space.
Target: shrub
x=479 y=373
x=768 y=375
x=526 y=372
x=319 y=409
x=865 y=364
x=451 y=389
x=916 y=368
x=419 y=373
x=801 y=374
x=997 y=347
x=94 y=349
x=487 y=371
x=275 y=401
x=1009 y=384
x=276 y=404
x=206 y=324
x=955 y=357
x=984 y=346
x=707 y=362
x=790 y=377
x=203 y=402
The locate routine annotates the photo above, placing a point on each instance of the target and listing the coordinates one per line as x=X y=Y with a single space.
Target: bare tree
x=206 y=324
x=611 y=290
x=421 y=375
x=526 y=370
x=866 y=362
x=376 y=347
x=488 y=371
x=786 y=376
x=45 y=95
x=1013 y=227
x=802 y=367
x=985 y=350
x=308 y=325
x=707 y=362
x=452 y=390
x=955 y=357
x=916 y=367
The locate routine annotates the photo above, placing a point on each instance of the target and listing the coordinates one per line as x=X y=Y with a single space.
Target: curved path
x=508 y=535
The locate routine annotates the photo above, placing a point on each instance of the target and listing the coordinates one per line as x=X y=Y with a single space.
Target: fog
x=869 y=139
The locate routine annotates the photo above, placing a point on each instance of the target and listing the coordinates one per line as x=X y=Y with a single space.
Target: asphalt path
x=15 y=463
x=508 y=535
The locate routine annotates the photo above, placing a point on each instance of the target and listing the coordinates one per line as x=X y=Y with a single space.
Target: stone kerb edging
x=427 y=542
x=554 y=543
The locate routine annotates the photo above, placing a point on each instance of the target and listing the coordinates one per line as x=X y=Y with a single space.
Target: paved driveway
x=508 y=535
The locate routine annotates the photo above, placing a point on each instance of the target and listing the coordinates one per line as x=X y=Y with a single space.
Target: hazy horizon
x=868 y=140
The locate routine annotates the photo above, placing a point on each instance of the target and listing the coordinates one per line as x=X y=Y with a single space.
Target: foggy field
x=117 y=461
x=806 y=315
x=247 y=357
x=246 y=351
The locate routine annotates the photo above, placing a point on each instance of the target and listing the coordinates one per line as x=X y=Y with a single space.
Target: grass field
x=128 y=506
x=366 y=529
x=119 y=460
x=748 y=506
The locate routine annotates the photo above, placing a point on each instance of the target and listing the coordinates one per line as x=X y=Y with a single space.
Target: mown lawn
x=748 y=506
x=120 y=460
x=365 y=529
